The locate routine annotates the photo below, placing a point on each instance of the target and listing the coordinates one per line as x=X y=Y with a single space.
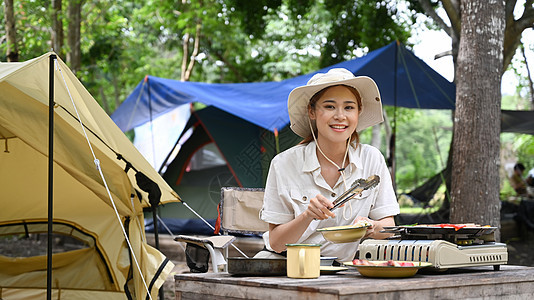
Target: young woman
x=328 y=112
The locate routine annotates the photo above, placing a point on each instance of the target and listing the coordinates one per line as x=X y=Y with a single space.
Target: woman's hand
x=318 y=209
x=373 y=231
x=290 y=232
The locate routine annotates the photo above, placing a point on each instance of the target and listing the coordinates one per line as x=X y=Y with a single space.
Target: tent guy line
x=98 y=167
x=207 y=223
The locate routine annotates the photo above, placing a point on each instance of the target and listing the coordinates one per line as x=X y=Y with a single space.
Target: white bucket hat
x=297 y=103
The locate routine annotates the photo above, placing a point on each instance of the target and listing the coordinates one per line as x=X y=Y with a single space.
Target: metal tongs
x=357 y=187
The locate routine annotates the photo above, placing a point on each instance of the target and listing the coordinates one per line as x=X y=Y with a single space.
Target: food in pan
x=390 y=263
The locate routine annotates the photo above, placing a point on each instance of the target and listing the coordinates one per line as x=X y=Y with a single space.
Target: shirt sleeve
x=276 y=209
x=385 y=204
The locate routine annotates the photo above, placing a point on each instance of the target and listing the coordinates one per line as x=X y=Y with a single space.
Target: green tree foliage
x=422 y=144
x=238 y=41
x=32 y=30
x=362 y=24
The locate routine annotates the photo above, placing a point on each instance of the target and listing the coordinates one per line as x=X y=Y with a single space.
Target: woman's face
x=336 y=114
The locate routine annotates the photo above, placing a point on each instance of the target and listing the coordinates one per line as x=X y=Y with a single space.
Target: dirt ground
x=521 y=250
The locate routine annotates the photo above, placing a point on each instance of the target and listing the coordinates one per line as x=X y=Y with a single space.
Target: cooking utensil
x=388 y=271
x=461 y=234
x=343 y=234
x=242 y=266
x=441 y=229
x=329 y=270
x=327 y=261
x=357 y=187
x=440 y=253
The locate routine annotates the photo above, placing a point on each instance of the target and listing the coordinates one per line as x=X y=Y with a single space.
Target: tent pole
x=50 y=177
x=154 y=212
x=154 y=206
x=156 y=237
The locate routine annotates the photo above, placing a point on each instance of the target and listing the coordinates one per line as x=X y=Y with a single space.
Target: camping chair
x=239 y=213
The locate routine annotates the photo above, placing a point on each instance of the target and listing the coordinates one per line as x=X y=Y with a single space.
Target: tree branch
x=452 y=9
x=509 y=10
x=527 y=19
x=185 y=55
x=195 y=50
x=226 y=62
x=513 y=31
x=429 y=11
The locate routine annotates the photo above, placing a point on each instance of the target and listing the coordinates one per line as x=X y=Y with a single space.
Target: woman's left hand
x=370 y=229
x=374 y=231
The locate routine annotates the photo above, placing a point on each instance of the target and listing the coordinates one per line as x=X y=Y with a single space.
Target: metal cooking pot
x=257 y=266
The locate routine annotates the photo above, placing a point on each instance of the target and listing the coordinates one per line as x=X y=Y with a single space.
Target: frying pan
x=243 y=266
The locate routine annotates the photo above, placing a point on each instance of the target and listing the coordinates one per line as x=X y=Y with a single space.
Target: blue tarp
x=403 y=79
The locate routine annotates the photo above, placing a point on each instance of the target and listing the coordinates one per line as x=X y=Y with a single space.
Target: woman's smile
x=339 y=127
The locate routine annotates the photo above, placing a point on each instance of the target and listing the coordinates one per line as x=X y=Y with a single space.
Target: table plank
x=512 y=282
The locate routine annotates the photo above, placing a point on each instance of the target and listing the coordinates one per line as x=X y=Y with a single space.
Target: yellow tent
x=100 y=265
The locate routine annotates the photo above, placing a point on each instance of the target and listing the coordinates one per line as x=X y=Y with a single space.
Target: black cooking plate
x=432 y=229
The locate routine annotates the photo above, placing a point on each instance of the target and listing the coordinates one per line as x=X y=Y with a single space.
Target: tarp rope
x=137 y=101
x=403 y=61
x=97 y=164
x=425 y=71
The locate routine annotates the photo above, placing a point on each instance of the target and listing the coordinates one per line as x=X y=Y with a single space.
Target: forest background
x=112 y=45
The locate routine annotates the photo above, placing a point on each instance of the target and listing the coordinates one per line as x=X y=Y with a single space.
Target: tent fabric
x=242 y=153
x=403 y=79
x=81 y=203
x=517 y=121
x=246 y=148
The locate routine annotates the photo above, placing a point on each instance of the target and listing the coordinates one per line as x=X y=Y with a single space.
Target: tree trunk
x=74 y=56
x=12 y=51
x=529 y=78
x=57 y=27
x=476 y=144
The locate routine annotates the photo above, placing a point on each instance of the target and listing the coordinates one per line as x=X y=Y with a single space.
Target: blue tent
x=403 y=79
x=248 y=122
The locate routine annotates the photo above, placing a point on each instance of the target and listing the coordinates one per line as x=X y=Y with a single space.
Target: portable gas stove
x=444 y=246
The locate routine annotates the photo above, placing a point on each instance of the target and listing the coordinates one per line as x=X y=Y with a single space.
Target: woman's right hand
x=318 y=209
x=290 y=232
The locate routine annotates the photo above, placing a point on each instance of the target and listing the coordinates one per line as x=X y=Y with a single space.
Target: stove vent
x=441 y=254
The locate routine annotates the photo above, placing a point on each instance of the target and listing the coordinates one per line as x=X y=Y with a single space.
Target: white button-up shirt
x=295 y=177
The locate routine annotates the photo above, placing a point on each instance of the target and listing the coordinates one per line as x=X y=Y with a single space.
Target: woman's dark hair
x=315 y=98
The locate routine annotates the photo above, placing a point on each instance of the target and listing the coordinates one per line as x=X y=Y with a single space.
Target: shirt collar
x=310 y=158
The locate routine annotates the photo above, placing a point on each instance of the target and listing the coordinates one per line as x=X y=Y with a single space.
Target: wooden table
x=511 y=282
